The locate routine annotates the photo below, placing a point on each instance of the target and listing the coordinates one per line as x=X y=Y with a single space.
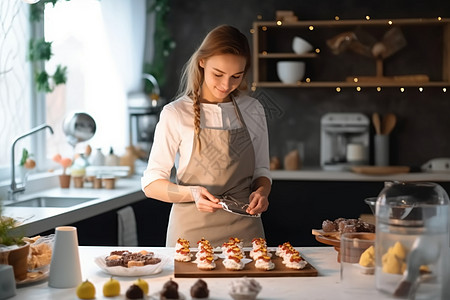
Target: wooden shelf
x=271 y=43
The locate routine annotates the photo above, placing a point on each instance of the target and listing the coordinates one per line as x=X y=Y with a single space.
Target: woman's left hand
x=258 y=203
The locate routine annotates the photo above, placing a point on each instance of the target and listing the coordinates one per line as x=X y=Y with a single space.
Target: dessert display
x=128 y=259
x=134 y=292
x=111 y=288
x=291 y=257
x=200 y=290
x=244 y=287
x=182 y=250
x=236 y=261
x=170 y=290
x=342 y=225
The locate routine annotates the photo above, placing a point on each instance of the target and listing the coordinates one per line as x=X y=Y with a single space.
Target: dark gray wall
x=423 y=118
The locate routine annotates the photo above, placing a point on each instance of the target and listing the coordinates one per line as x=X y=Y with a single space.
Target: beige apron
x=224 y=166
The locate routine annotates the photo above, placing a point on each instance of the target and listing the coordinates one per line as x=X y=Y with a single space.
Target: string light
x=355 y=79
x=338 y=89
x=421 y=89
x=367 y=18
x=259 y=17
x=439 y=18
x=264 y=28
x=358 y=88
x=378 y=88
x=311 y=27
x=402 y=89
x=279 y=23
x=336 y=18
x=444 y=90
x=308 y=79
x=390 y=22
x=317 y=50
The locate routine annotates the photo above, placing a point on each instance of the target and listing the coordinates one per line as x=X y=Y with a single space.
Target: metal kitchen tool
x=233 y=206
x=78 y=127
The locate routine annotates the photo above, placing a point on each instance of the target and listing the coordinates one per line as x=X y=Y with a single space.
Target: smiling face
x=222 y=75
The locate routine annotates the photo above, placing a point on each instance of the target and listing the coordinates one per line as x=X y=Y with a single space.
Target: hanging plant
x=163 y=44
x=40 y=50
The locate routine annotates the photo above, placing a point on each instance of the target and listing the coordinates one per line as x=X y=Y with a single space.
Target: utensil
x=388 y=123
x=78 y=127
x=233 y=206
x=376 y=122
x=423 y=252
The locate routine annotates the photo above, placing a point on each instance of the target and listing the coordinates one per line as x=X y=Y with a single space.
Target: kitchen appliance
x=143 y=111
x=78 y=127
x=342 y=131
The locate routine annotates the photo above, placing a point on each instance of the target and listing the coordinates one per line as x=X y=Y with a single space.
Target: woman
x=217 y=138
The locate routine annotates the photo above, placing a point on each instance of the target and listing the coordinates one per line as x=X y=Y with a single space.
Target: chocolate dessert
x=134 y=292
x=199 y=290
x=170 y=290
x=126 y=258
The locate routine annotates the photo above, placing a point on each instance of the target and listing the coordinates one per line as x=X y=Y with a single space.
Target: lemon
x=143 y=285
x=86 y=290
x=111 y=288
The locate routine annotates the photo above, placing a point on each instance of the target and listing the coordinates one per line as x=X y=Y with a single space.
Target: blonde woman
x=216 y=136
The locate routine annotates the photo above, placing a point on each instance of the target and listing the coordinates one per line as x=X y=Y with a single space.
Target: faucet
x=13 y=190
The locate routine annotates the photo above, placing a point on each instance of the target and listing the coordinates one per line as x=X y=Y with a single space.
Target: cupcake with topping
x=295 y=262
x=206 y=263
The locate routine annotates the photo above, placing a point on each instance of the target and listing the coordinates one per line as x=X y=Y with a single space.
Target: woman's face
x=223 y=74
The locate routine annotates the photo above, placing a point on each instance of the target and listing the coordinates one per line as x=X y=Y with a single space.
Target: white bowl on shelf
x=290 y=72
x=301 y=46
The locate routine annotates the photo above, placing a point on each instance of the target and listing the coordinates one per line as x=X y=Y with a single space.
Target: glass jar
x=412 y=240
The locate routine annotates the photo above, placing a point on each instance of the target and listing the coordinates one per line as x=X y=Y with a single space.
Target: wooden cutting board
x=190 y=270
x=380 y=170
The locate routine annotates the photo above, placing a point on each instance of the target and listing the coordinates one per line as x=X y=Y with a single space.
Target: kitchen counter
x=324 y=175
x=40 y=219
x=325 y=286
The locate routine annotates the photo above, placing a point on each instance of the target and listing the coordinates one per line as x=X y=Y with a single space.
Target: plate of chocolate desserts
x=127 y=263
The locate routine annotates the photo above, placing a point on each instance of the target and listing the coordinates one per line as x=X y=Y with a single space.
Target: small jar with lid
x=412 y=240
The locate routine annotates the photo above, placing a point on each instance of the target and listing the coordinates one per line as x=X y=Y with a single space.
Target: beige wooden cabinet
x=423 y=62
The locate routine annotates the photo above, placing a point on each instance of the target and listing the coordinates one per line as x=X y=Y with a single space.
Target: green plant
x=40 y=51
x=163 y=44
x=8 y=236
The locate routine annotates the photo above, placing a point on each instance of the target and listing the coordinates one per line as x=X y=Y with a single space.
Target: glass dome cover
x=410 y=203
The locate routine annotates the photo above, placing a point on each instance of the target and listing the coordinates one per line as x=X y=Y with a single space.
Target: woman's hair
x=223 y=39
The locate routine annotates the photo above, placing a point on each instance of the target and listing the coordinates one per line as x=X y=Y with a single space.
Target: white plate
x=133 y=271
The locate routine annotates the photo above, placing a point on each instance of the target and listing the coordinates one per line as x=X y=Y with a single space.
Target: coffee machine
x=344 y=140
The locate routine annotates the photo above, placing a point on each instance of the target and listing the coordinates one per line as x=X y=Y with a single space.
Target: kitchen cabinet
x=298 y=206
x=423 y=62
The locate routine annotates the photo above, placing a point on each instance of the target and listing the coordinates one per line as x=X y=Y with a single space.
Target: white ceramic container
x=290 y=71
x=301 y=46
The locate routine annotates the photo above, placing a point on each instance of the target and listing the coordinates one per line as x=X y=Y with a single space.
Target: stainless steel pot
x=78 y=127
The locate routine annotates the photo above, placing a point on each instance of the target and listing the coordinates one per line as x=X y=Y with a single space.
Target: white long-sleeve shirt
x=174 y=134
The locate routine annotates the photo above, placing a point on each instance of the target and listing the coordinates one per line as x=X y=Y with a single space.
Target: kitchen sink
x=49 y=202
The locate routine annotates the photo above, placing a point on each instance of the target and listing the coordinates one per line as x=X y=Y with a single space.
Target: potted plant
x=65 y=162
x=13 y=249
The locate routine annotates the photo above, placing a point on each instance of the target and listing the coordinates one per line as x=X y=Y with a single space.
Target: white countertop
x=40 y=219
x=323 y=175
x=325 y=286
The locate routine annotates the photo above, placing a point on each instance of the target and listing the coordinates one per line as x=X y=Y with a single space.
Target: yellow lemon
x=111 y=288
x=86 y=290
x=143 y=285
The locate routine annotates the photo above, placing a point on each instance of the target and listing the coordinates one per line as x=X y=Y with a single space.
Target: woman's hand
x=204 y=200
x=258 y=203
